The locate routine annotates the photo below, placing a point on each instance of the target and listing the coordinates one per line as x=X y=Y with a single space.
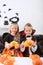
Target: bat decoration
x=9 y=9
x=0 y=15
x=17 y=14
x=6 y=22
x=11 y=19
x=4 y=4
x=0 y=11
x=5 y=17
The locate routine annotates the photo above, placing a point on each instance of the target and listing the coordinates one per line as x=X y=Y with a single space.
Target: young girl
x=13 y=35
x=28 y=36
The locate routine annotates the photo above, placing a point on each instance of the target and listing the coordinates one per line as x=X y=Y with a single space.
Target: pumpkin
x=6 y=59
x=28 y=43
x=35 y=59
x=3 y=58
x=10 y=60
x=14 y=43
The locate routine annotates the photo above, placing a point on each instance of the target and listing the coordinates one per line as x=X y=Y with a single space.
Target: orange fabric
x=12 y=52
x=7 y=51
x=6 y=59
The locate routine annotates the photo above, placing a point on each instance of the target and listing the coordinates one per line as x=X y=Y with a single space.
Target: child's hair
x=28 y=24
x=17 y=35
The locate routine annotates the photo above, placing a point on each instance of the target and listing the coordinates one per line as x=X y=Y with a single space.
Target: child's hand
x=33 y=45
x=22 y=45
x=22 y=48
x=7 y=45
x=16 y=47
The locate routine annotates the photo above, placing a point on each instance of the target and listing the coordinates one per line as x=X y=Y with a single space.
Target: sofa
x=39 y=42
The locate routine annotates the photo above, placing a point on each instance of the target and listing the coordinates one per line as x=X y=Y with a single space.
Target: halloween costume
x=29 y=50
x=12 y=51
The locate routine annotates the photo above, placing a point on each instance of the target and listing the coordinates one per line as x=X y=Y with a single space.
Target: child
x=12 y=36
x=31 y=49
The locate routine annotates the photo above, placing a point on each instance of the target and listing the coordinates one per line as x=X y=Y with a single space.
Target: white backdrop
x=29 y=11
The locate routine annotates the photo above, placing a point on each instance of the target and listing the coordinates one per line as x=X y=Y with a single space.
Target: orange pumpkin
x=36 y=59
x=3 y=58
x=14 y=43
x=10 y=60
x=28 y=43
x=6 y=59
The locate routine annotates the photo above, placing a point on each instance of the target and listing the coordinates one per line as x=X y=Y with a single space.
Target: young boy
x=28 y=36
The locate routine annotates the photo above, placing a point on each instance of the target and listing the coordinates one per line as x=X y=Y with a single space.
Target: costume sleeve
x=5 y=38
x=34 y=47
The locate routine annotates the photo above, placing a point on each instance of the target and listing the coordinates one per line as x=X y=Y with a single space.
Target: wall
x=29 y=11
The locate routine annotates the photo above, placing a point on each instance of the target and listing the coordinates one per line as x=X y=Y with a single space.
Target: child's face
x=28 y=30
x=14 y=28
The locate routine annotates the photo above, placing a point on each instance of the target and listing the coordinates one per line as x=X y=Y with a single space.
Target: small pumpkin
x=28 y=43
x=14 y=43
x=35 y=59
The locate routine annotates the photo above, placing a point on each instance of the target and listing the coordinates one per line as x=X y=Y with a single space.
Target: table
x=24 y=61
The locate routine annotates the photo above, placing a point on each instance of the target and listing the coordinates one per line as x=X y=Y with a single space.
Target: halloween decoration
x=9 y=9
x=6 y=14
x=36 y=59
x=5 y=17
x=4 y=4
x=14 y=43
x=17 y=14
x=0 y=15
x=6 y=59
x=28 y=43
x=6 y=22
x=11 y=19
